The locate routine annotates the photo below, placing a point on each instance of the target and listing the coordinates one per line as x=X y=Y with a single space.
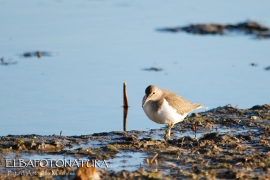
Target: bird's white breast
x=165 y=115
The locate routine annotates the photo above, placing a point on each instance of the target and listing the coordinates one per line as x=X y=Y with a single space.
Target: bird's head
x=153 y=93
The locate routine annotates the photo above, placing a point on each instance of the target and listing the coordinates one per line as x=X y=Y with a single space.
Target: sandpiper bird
x=165 y=107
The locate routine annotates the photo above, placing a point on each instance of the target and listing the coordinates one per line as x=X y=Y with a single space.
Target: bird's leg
x=168 y=132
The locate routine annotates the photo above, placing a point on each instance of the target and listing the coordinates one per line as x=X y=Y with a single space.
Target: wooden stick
x=125 y=100
x=152 y=160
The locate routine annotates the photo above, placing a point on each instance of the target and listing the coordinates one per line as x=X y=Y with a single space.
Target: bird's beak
x=144 y=100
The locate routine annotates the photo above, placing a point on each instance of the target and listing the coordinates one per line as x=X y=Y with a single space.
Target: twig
x=125 y=102
x=152 y=160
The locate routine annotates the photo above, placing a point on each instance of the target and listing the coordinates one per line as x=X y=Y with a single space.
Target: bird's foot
x=167 y=136
x=168 y=132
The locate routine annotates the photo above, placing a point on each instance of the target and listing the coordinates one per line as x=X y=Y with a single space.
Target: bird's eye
x=154 y=92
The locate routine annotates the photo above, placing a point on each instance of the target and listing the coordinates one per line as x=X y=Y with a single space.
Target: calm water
x=98 y=45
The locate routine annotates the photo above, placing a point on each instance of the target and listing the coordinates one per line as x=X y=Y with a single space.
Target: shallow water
x=130 y=161
x=98 y=45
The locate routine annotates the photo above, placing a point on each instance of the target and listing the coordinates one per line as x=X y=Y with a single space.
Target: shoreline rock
x=248 y=28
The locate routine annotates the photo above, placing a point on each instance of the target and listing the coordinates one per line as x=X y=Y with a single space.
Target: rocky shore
x=224 y=142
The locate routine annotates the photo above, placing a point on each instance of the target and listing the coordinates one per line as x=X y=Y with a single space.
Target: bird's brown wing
x=181 y=105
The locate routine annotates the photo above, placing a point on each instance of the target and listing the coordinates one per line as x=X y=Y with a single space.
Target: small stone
x=112 y=148
x=254 y=117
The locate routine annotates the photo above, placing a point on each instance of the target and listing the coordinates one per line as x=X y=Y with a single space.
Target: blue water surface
x=98 y=45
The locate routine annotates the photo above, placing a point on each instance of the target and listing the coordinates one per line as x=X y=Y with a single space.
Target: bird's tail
x=201 y=107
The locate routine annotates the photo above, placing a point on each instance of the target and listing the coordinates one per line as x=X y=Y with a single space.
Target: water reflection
x=125 y=106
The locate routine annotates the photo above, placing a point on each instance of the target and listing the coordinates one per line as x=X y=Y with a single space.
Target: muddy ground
x=222 y=143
